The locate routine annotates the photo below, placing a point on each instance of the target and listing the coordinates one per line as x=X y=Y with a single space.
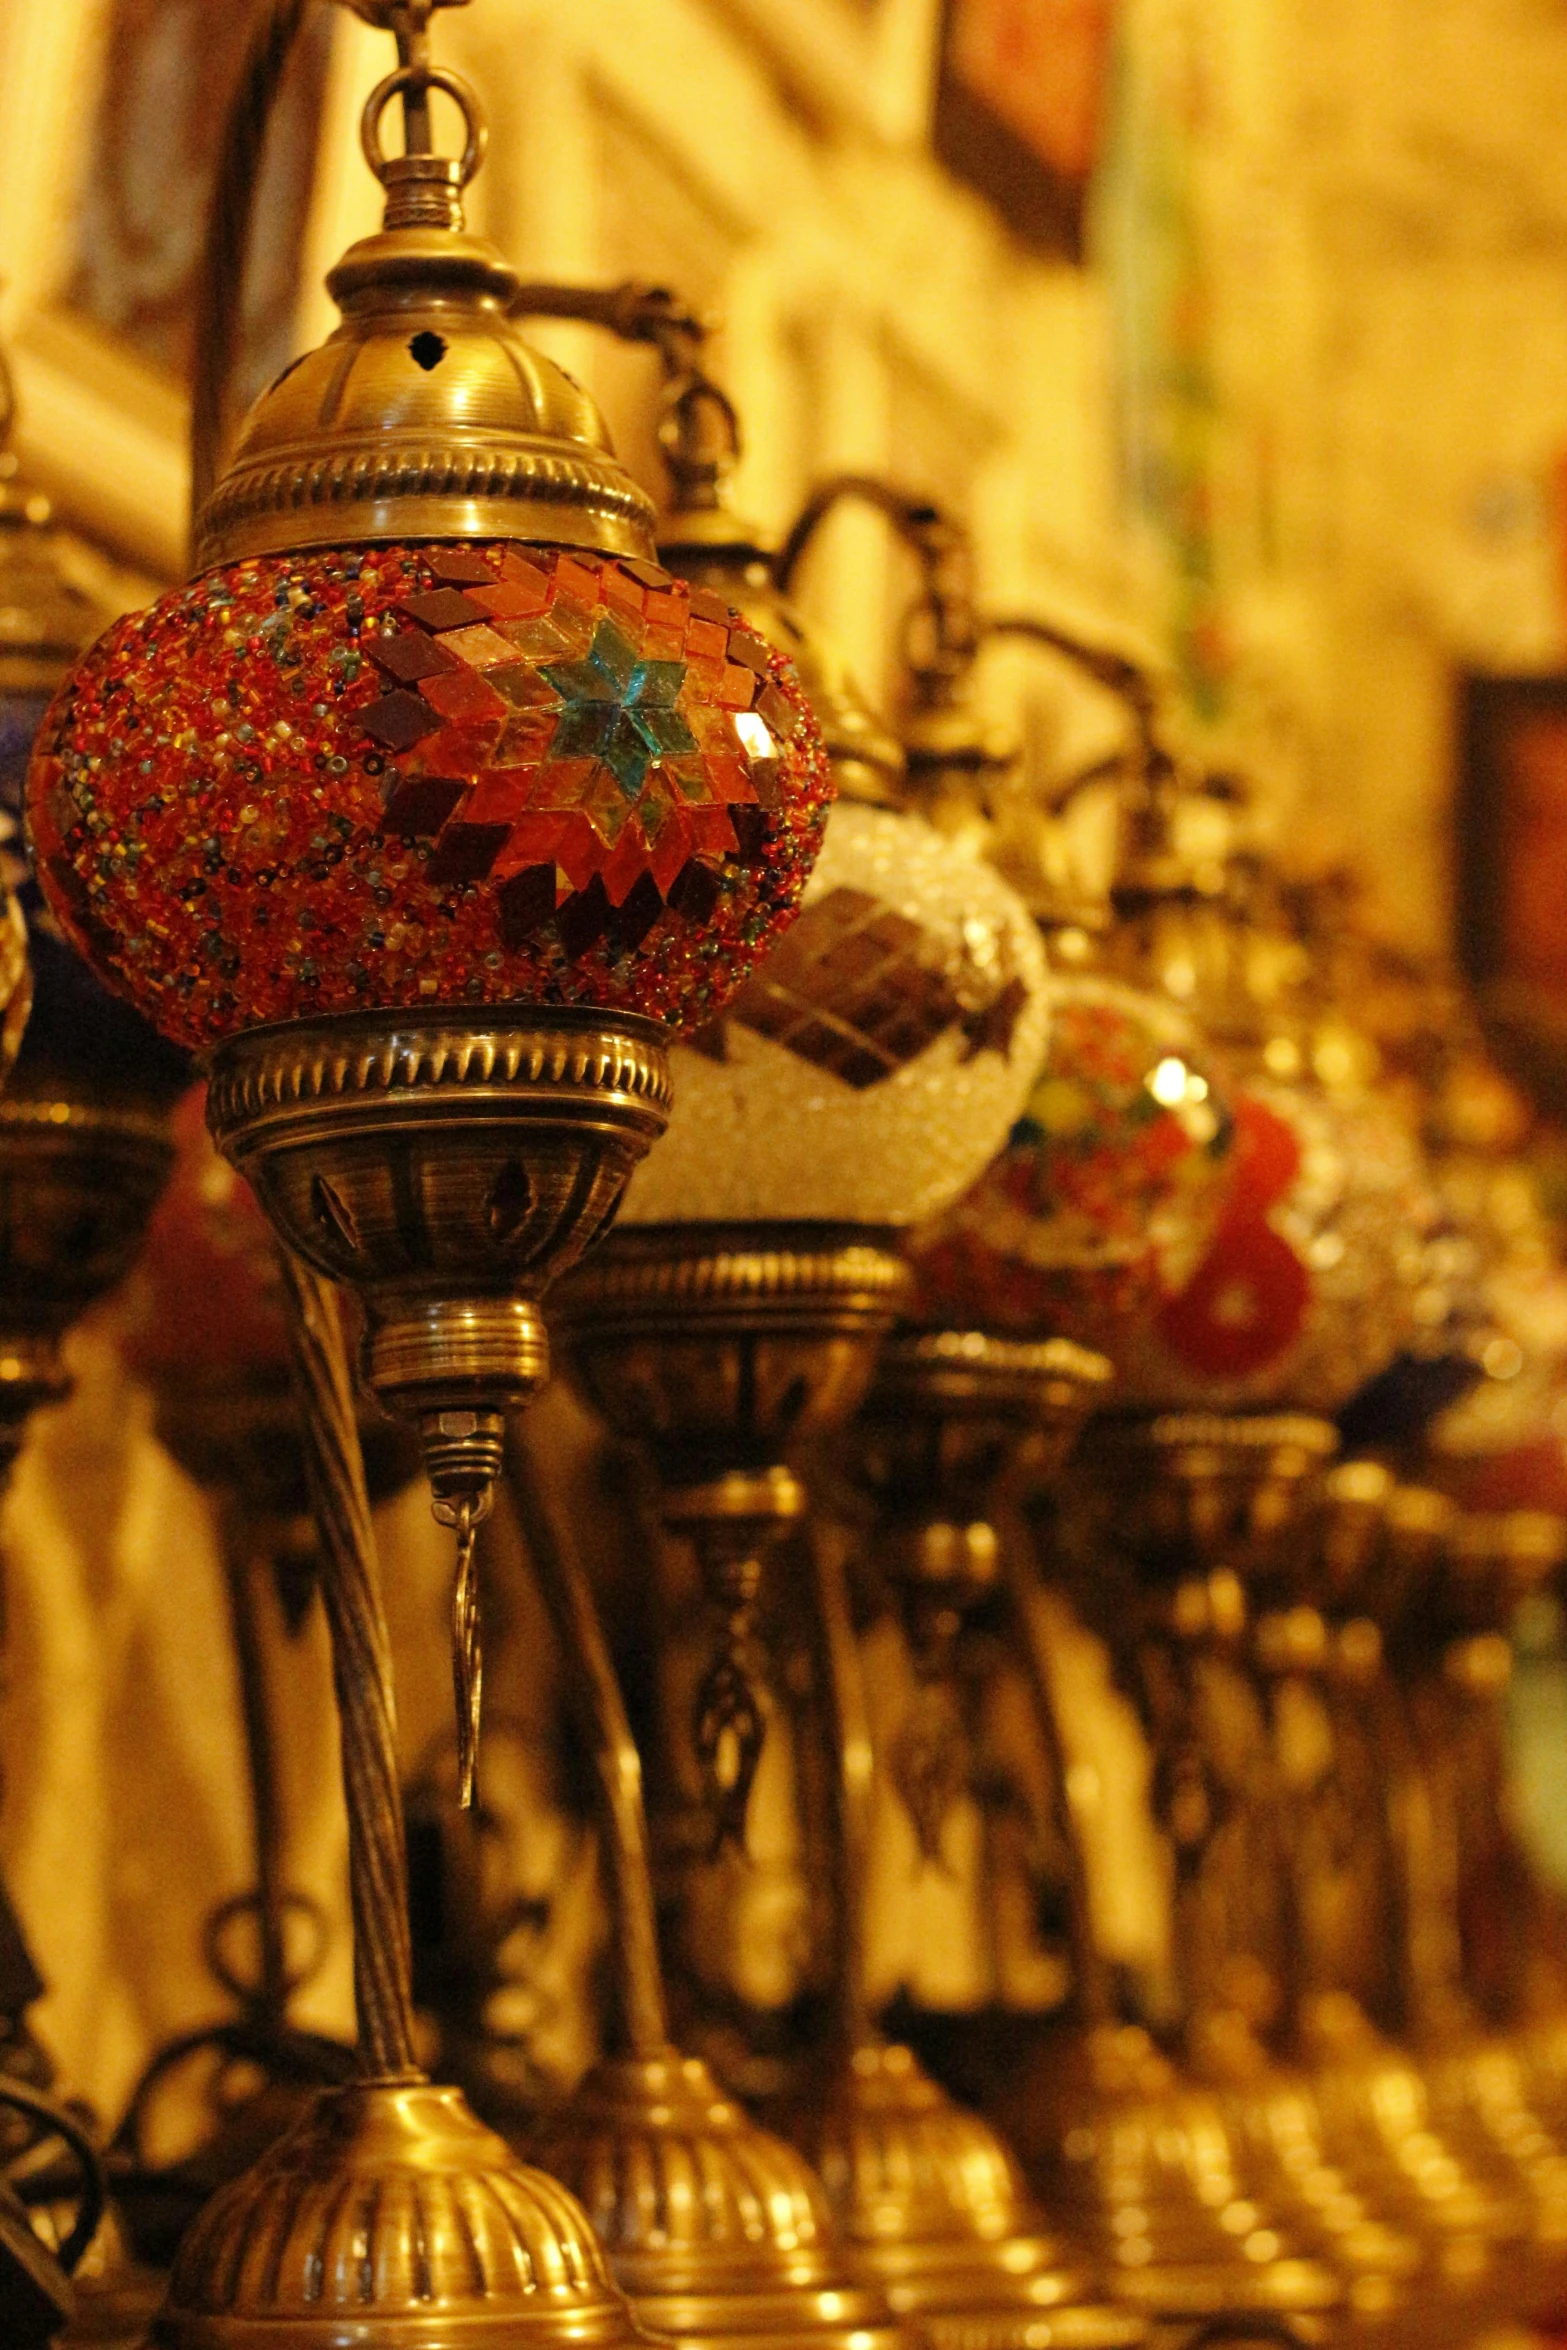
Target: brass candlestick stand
x=953 y=1419
x=927 y=2190
x=1143 y=2161
x=718 y=1348
x=240 y=1438
x=1391 y=2203
x=755 y=2252
x=1373 y=2100
x=1229 y=1501
x=389 y=2214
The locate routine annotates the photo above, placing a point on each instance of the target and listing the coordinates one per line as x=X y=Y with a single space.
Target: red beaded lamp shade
x=411 y=774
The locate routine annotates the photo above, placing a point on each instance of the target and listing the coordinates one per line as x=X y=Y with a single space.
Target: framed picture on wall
x=1020 y=104
x=1510 y=810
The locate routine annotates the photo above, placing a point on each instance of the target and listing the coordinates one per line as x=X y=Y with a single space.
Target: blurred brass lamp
x=857 y=1080
x=954 y=1422
x=1140 y=2160
x=83 y=1142
x=754 y=2254
x=1397 y=2207
x=1453 y=1657
x=929 y=2193
x=423 y=810
x=864 y=1075
x=924 y=2191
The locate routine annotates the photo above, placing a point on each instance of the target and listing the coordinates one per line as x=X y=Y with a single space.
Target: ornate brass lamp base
x=444 y=1169
x=78 y=1182
x=936 y=2208
x=750 y=2261
x=391 y=2217
x=1375 y=2125
x=719 y=1346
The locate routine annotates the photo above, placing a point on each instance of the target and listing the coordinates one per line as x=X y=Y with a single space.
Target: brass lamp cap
x=425 y=415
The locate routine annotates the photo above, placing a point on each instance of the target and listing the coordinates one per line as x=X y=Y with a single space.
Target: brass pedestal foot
x=1142 y=2169
x=391 y=2217
x=718 y=2233
x=936 y=2209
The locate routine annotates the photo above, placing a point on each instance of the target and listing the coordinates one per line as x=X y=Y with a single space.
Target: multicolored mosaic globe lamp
x=424 y=812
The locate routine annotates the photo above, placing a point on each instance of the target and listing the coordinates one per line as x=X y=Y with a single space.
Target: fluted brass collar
x=425 y=415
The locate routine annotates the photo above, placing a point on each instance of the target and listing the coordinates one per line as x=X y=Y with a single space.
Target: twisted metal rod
x=467 y=1649
x=361 y=1673
x=601 y=1712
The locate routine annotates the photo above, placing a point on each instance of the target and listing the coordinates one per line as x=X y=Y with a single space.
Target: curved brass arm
x=635 y=312
x=930 y=534
x=1116 y=672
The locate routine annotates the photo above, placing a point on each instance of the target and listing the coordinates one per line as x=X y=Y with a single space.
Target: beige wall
x=1380 y=200
x=1345 y=219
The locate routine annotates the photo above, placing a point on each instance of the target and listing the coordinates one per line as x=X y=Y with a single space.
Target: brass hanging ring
x=407 y=79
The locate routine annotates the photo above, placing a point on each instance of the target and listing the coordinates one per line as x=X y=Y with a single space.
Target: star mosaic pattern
x=428 y=775
x=859 y=989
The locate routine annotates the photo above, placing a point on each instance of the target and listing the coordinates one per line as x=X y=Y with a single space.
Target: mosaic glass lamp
x=426 y=807
x=424 y=811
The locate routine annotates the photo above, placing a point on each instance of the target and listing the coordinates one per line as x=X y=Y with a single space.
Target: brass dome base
x=1280 y=2134
x=1377 y=2124
x=1142 y=2168
x=717 y=2232
x=1482 y=2103
x=936 y=2210
x=391 y=2219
